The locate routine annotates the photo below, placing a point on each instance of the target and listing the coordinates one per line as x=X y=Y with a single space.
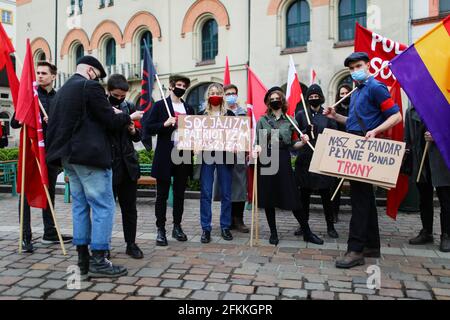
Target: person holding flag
x=46 y=74
x=80 y=125
x=372 y=112
x=164 y=166
x=276 y=181
x=307 y=181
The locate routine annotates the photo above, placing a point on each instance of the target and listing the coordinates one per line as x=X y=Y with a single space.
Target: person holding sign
x=341 y=109
x=239 y=181
x=434 y=174
x=164 y=167
x=276 y=181
x=372 y=112
x=212 y=160
x=308 y=181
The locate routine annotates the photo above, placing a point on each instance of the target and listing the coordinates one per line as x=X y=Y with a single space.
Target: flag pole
x=52 y=209
x=22 y=185
x=425 y=151
x=337 y=189
x=255 y=186
x=162 y=95
x=307 y=114
x=301 y=133
x=252 y=227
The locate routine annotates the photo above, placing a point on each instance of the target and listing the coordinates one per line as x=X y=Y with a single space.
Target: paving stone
x=194 y=285
x=349 y=296
x=234 y=296
x=150 y=291
x=261 y=297
x=111 y=296
x=268 y=291
x=86 y=296
x=178 y=293
x=30 y=282
x=53 y=284
x=205 y=295
x=322 y=295
x=243 y=289
x=295 y=293
x=424 y=295
x=103 y=287
x=62 y=294
x=217 y=287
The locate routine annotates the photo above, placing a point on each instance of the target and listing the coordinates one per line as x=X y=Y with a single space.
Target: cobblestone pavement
x=225 y=270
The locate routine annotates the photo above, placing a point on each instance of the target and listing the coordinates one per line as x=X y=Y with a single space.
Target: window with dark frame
x=297 y=24
x=350 y=12
x=210 y=40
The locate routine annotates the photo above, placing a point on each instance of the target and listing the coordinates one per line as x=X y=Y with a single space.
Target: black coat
x=46 y=98
x=66 y=112
x=125 y=157
x=343 y=111
x=154 y=124
x=306 y=179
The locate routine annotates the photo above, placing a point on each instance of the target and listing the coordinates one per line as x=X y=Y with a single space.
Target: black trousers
x=426 y=192
x=325 y=194
x=427 y=207
x=180 y=178
x=126 y=192
x=47 y=218
x=237 y=209
x=364 y=230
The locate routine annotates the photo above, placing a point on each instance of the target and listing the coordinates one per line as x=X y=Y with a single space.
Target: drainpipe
x=56 y=34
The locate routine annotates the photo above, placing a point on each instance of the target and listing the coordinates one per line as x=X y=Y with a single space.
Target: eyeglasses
x=231 y=94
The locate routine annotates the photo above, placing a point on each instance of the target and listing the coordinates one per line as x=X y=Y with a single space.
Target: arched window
x=210 y=40
x=79 y=52
x=110 y=52
x=297 y=24
x=147 y=36
x=196 y=97
x=350 y=12
x=444 y=6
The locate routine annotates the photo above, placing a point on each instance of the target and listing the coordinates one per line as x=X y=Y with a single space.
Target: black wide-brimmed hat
x=270 y=91
x=93 y=62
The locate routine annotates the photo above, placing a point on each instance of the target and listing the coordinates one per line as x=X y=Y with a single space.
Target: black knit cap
x=315 y=89
x=270 y=91
x=93 y=62
x=356 y=56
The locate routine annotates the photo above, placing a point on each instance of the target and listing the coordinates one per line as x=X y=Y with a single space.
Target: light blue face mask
x=232 y=99
x=359 y=75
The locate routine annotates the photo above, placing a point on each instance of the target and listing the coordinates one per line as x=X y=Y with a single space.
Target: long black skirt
x=279 y=190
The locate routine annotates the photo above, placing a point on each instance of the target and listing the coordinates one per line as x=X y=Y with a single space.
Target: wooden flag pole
x=42 y=109
x=255 y=187
x=425 y=152
x=252 y=227
x=22 y=186
x=162 y=95
x=337 y=189
x=52 y=209
x=307 y=114
x=301 y=133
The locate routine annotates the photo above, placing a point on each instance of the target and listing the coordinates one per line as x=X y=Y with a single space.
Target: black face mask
x=179 y=92
x=315 y=102
x=275 y=105
x=115 y=102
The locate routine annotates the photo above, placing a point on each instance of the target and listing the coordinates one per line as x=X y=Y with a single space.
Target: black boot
x=206 y=237
x=134 y=251
x=100 y=267
x=445 y=243
x=161 y=239
x=83 y=259
x=311 y=237
x=273 y=238
x=178 y=233
x=226 y=235
x=424 y=237
x=298 y=232
x=331 y=231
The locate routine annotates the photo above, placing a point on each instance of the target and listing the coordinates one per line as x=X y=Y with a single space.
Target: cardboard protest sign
x=375 y=161
x=214 y=133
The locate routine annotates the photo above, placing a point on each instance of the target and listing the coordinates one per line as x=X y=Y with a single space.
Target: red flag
x=6 y=49
x=226 y=76
x=256 y=108
x=380 y=50
x=28 y=113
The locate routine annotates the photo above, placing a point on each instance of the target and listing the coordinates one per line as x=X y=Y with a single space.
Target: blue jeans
x=91 y=188
x=224 y=174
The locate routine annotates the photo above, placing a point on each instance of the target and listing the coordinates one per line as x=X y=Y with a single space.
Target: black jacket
x=67 y=111
x=46 y=98
x=306 y=179
x=342 y=110
x=154 y=124
x=125 y=157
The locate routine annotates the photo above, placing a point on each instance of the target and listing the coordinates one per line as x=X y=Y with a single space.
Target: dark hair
x=230 y=86
x=117 y=81
x=284 y=105
x=51 y=67
x=344 y=85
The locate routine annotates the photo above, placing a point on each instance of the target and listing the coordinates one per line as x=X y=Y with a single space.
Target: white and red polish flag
x=294 y=90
